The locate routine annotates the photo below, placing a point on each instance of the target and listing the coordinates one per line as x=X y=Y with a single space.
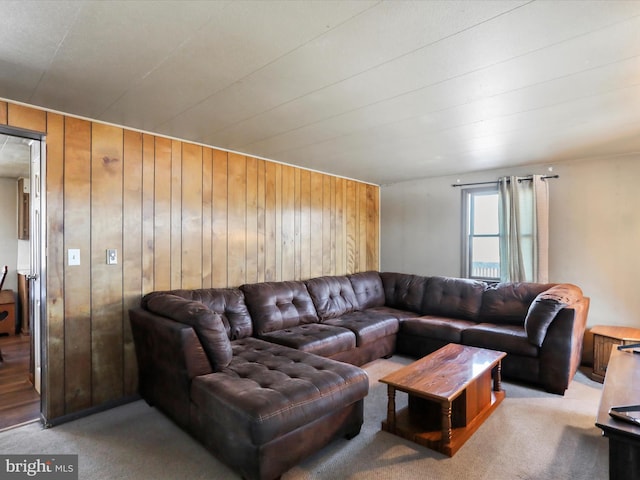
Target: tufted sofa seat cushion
x=401 y=315
x=368 y=326
x=438 y=328
x=507 y=338
x=268 y=390
x=332 y=296
x=228 y=302
x=318 y=338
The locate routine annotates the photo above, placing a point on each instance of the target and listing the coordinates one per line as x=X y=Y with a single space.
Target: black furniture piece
x=621 y=388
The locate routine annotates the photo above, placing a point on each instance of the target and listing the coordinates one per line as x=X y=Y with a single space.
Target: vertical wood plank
x=288 y=223
x=305 y=224
x=340 y=227
x=176 y=214
x=373 y=214
x=297 y=243
x=207 y=216
x=270 y=247
x=191 y=216
x=131 y=249
x=237 y=208
x=352 y=227
x=317 y=182
x=162 y=215
x=333 y=217
x=3 y=114
x=261 y=222
x=77 y=290
x=326 y=225
x=148 y=186
x=362 y=227
x=220 y=221
x=53 y=376
x=278 y=217
x=106 y=280
x=251 y=252
x=21 y=116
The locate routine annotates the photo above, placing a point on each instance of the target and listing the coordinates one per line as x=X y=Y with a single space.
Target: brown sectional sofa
x=266 y=374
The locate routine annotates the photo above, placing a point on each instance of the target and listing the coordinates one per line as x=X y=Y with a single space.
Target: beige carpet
x=532 y=435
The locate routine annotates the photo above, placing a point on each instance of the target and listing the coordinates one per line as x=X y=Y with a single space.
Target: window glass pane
x=485 y=210
x=485 y=254
x=481 y=243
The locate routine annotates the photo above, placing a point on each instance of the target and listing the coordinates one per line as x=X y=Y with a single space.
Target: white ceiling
x=378 y=91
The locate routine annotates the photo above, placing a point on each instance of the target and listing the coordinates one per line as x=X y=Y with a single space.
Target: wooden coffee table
x=450 y=396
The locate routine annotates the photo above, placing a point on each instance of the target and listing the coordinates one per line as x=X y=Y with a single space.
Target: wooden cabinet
x=605 y=338
x=7 y=312
x=23 y=209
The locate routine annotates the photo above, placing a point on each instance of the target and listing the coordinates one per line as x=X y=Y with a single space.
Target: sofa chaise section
x=259 y=406
x=272 y=406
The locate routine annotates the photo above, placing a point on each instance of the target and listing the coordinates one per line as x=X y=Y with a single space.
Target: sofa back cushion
x=227 y=302
x=208 y=325
x=368 y=289
x=453 y=297
x=278 y=305
x=404 y=291
x=332 y=296
x=546 y=306
x=508 y=303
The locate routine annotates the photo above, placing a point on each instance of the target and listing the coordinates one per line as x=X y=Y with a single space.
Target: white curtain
x=524 y=229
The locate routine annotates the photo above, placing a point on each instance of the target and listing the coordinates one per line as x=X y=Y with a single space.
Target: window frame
x=467 y=229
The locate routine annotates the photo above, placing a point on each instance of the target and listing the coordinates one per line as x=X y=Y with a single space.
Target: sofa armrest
x=169 y=356
x=561 y=351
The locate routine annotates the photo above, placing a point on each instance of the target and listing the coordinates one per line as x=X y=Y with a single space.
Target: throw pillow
x=545 y=307
x=540 y=315
x=208 y=325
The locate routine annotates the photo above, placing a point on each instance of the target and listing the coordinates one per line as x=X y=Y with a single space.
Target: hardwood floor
x=19 y=401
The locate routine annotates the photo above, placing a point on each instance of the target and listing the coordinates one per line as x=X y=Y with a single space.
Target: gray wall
x=594 y=230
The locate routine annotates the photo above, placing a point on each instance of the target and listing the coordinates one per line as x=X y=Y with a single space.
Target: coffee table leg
x=446 y=423
x=391 y=408
x=496 y=377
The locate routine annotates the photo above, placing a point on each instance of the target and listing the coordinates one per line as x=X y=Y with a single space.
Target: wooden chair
x=3 y=315
x=4 y=275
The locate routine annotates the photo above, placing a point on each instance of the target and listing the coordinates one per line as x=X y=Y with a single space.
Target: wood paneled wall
x=181 y=216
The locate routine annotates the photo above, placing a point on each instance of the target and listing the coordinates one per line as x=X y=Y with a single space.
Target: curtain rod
x=527 y=178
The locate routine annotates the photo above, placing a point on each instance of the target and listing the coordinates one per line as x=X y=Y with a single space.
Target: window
x=481 y=233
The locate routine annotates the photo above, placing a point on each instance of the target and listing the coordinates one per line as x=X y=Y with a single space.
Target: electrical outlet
x=112 y=256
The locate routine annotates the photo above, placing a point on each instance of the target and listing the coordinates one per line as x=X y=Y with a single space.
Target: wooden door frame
x=40 y=137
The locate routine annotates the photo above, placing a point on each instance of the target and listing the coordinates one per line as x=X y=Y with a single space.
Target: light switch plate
x=74 y=256
x=112 y=256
